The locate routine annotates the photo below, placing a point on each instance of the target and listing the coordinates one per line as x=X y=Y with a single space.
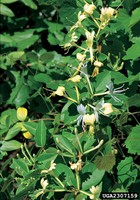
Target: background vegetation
x=69 y=98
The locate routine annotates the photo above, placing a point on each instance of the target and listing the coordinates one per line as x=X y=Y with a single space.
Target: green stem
x=94 y=148
x=89 y=84
x=69 y=98
x=77 y=179
x=95 y=21
x=77 y=94
x=25 y=146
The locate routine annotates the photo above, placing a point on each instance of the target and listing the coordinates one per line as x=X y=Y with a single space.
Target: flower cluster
x=52 y=166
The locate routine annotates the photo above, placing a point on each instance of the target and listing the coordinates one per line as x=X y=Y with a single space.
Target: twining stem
x=89 y=84
x=77 y=94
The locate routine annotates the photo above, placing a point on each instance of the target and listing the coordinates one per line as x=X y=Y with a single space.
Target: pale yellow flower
x=106 y=14
x=98 y=63
x=89 y=119
x=80 y=57
x=81 y=16
x=107 y=108
x=60 y=91
x=44 y=183
x=89 y=37
x=95 y=71
x=95 y=190
x=91 y=196
x=22 y=113
x=76 y=166
x=27 y=135
x=89 y=8
x=75 y=79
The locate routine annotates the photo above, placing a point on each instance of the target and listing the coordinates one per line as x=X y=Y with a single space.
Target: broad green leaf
x=133 y=141
x=8 y=1
x=66 y=175
x=20 y=166
x=92 y=178
x=30 y=3
x=69 y=112
x=133 y=52
x=135 y=17
x=127 y=172
x=31 y=127
x=64 y=144
x=20 y=92
x=13 y=131
x=118 y=78
x=40 y=134
x=134 y=100
x=105 y=162
x=14 y=56
x=10 y=145
x=102 y=79
x=8 y=117
x=43 y=78
x=48 y=155
x=4 y=10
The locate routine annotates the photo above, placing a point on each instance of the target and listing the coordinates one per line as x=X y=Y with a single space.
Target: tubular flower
x=95 y=192
x=89 y=8
x=81 y=17
x=44 y=183
x=75 y=79
x=89 y=43
x=27 y=135
x=82 y=111
x=60 y=91
x=52 y=166
x=107 y=108
x=89 y=119
x=90 y=37
x=98 y=63
x=76 y=166
x=22 y=113
x=80 y=57
x=106 y=15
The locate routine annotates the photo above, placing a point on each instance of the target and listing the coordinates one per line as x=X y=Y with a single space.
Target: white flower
x=60 y=91
x=89 y=8
x=98 y=63
x=44 y=183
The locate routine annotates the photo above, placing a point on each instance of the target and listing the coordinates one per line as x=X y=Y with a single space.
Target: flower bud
x=80 y=57
x=22 y=113
x=107 y=108
x=98 y=63
x=60 y=91
x=75 y=79
x=89 y=8
x=89 y=119
x=95 y=190
x=27 y=135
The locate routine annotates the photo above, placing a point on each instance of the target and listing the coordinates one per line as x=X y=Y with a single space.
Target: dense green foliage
x=69 y=98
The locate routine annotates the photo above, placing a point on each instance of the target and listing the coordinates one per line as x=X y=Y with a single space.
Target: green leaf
x=40 y=134
x=69 y=112
x=66 y=175
x=4 y=10
x=102 y=79
x=31 y=127
x=105 y=162
x=48 y=155
x=13 y=131
x=64 y=144
x=133 y=141
x=133 y=52
x=91 y=176
x=135 y=17
x=20 y=166
x=20 y=92
x=30 y=4
x=8 y=1
x=14 y=56
x=134 y=100
x=127 y=173
x=10 y=145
